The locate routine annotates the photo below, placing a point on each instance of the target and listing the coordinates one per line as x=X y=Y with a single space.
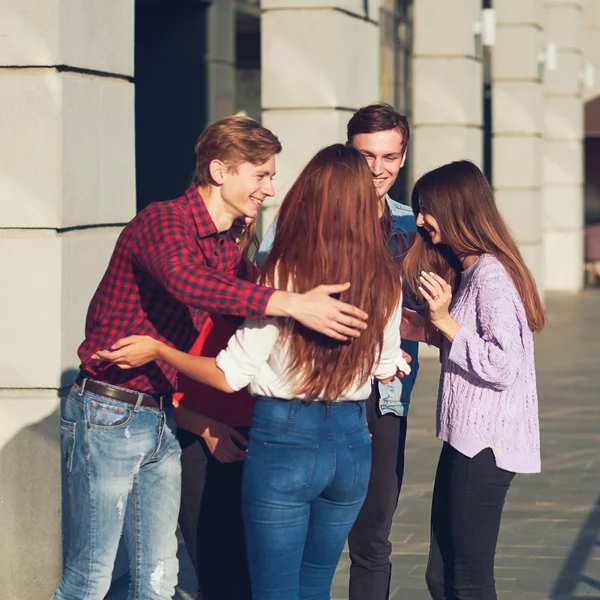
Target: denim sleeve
x=266 y=244
x=408 y=381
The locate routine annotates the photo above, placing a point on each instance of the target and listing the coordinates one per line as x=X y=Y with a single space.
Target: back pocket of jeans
x=104 y=415
x=361 y=458
x=288 y=467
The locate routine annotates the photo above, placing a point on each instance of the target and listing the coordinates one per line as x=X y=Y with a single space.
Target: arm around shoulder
x=162 y=249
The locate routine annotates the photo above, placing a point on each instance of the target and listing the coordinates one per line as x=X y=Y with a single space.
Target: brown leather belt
x=115 y=393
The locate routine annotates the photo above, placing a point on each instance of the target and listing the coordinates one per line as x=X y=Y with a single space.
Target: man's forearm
x=281 y=304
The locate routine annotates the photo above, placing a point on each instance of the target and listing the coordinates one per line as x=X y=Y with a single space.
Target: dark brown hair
x=378 y=117
x=461 y=200
x=233 y=140
x=328 y=231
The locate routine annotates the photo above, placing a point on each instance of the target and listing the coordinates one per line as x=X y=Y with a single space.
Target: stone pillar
x=447 y=84
x=220 y=60
x=563 y=148
x=66 y=188
x=518 y=124
x=320 y=63
x=592 y=113
x=592 y=45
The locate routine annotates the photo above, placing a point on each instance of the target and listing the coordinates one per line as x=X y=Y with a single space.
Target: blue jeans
x=121 y=476
x=305 y=478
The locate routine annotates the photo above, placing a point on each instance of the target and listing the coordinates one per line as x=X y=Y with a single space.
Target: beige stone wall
x=66 y=188
x=319 y=65
x=592 y=46
x=518 y=124
x=563 y=147
x=447 y=84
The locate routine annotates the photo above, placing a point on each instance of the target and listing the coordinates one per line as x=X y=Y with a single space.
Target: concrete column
x=320 y=63
x=66 y=188
x=447 y=84
x=220 y=60
x=592 y=45
x=592 y=113
x=517 y=116
x=563 y=148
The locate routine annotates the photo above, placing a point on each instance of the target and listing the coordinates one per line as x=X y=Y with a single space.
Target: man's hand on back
x=317 y=310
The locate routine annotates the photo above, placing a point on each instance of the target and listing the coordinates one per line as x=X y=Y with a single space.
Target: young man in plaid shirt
x=169 y=268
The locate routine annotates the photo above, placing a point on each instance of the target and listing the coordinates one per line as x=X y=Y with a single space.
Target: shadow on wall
x=30 y=549
x=30 y=510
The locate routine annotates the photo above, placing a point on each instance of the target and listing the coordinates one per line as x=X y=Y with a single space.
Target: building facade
x=101 y=105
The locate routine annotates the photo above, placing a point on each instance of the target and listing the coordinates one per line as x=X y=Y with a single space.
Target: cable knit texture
x=487 y=395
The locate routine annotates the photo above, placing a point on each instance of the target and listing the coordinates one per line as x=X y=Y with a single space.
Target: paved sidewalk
x=550 y=540
x=549 y=544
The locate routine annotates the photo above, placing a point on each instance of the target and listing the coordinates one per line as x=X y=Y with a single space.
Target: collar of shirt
x=402 y=218
x=204 y=224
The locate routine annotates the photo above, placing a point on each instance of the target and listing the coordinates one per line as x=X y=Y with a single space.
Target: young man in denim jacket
x=381 y=135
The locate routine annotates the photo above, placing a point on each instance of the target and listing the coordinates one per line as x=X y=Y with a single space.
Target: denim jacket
x=394 y=397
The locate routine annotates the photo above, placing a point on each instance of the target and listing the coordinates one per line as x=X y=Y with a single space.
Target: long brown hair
x=461 y=200
x=329 y=231
x=248 y=244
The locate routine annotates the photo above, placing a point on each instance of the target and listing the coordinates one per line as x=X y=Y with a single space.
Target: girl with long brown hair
x=308 y=461
x=483 y=307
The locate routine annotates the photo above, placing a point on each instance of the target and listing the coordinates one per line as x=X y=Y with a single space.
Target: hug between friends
x=259 y=397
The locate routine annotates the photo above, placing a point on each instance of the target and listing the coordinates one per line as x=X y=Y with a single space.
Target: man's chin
x=251 y=213
x=382 y=191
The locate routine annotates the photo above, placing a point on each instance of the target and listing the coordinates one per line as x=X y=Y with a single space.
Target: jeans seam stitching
x=136 y=537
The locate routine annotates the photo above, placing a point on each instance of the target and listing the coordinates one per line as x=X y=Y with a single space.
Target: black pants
x=370 y=548
x=210 y=520
x=468 y=498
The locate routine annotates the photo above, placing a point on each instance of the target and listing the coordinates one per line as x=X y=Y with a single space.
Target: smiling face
x=430 y=225
x=385 y=155
x=245 y=188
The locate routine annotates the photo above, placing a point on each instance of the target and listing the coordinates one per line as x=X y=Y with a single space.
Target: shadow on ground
x=575 y=574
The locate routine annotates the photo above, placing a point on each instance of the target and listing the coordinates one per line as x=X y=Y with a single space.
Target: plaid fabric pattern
x=169 y=269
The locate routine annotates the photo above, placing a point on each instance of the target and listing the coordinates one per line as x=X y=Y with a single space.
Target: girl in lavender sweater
x=483 y=307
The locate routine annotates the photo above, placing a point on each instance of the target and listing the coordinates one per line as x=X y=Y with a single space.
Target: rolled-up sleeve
x=391 y=355
x=247 y=351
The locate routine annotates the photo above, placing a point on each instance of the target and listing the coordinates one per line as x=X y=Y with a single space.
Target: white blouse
x=257 y=356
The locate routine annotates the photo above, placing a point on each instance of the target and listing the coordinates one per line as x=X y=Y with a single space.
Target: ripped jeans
x=121 y=475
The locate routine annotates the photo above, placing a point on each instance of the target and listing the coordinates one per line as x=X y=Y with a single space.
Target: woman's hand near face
x=438 y=295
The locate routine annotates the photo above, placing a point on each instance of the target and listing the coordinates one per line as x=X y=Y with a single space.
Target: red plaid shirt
x=167 y=272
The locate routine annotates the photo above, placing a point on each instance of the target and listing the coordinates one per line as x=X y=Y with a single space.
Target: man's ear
x=403 y=159
x=217 y=170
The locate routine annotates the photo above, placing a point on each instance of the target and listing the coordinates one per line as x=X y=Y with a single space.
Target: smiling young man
x=169 y=269
x=381 y=134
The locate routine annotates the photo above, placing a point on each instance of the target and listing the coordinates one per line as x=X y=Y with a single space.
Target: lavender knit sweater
x=487 y=395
